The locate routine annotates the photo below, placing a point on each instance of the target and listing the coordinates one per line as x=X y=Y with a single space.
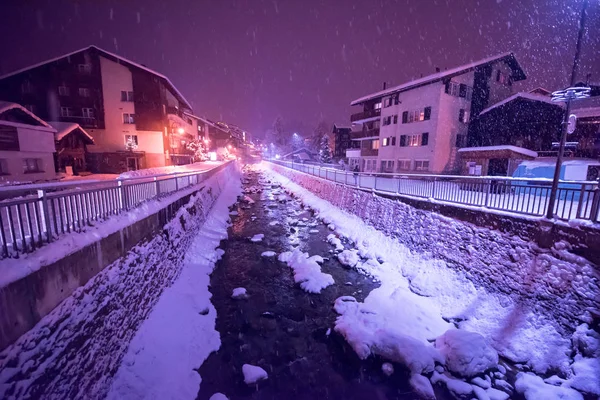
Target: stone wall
x=552 y=267
x=75 y=350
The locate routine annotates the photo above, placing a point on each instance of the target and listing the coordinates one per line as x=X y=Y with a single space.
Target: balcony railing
x=361 y=116
x=369 y=152
x=365 y=133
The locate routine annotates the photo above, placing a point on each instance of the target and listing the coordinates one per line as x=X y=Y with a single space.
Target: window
x=375 y=144
x=402 y=140
x=461 y=140
x=393 y=140
x=84 y=92
x=414 y=140
x=31 y=165
x=463 y=115
x=397 y=99
x=421 y=165
x=387 y=120
x=87 y=112
x=388 y=102
x=128 y=118
x=386 y=142
x=387 y=166
x=133 y=139
x=84 y=68
x=425 y=139
x=3 y=167
x=26 y=87
x=462 y=90
x=423 y=114
x=377 y=106
x=126 y=95
x=403 y=165
x=63 y=90
x=9 y=138
x=459 y=90
x=395 y=119
x=66 y=112
x=427 y=113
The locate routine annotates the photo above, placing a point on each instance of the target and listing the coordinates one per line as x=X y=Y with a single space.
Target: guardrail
x=575 y=199
x=30 y=221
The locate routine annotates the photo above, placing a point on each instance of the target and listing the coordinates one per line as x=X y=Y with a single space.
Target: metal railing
x=576 y=199
x=32 y=220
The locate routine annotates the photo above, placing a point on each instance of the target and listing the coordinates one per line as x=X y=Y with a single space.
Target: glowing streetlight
x=180 y=131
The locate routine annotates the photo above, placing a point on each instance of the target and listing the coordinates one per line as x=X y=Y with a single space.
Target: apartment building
x=419 y=126
x=342 y=141
x=135 y=115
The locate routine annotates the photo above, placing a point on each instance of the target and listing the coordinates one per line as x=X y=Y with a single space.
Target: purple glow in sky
x=247 y=61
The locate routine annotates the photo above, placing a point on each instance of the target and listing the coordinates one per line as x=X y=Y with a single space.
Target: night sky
x=248 y=61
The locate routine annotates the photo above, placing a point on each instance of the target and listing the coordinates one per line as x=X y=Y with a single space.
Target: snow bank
x=349 y=258
x=534 y=388
x=268 y=253
x=307 y=270
x=172 y=343
x=257 y=238
x=171 y=169
x=467 y=354
x=239 y=293
x=253 y=374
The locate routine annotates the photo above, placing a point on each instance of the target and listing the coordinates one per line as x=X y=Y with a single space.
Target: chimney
x=384 y=85
x=437 y=69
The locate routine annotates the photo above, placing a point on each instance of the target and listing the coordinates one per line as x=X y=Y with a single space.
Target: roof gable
x=14 y=112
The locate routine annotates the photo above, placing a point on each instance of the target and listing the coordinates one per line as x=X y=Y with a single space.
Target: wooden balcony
x=365 y=115
x=369 y=152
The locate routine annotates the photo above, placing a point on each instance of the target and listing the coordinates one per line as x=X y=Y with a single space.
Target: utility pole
x=569 y=94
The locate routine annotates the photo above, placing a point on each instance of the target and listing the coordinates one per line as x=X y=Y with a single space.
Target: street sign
x=572 y=123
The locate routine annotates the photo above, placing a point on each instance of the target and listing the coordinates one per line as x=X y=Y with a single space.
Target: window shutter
x=402 y=140
x=427 y=113
x=425 y=139
x=393 y=140
x=461 y=115
x=405 y=117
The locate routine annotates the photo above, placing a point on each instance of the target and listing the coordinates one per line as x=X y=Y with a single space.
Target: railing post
x=375 y=183
x=335 y=175
x=487 y=192
x=45 y=214
x=157 y=184
x=580 y=202
x=595 y=205
x=433 y=188
x=176 y=184
x=122 y=196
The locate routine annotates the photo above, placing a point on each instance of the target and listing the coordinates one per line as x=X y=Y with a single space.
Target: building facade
x=419 y=126
x=342 y=141
x=132 y=112
x=26 y=145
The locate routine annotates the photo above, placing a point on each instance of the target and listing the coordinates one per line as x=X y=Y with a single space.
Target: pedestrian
x=356 y=170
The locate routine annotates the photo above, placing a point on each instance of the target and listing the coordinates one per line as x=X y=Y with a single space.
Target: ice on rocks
x=267 y=253
x=307 y=271
x=349 y=258
x=257 y=238
x=253 y=374
x=467 y=353
x=532 y=387
x=239 y=293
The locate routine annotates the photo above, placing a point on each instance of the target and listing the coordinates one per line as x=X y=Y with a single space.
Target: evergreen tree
x=325 y=151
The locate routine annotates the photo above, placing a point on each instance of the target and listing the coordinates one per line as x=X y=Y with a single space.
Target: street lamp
x=567 y=95
x=180 y=131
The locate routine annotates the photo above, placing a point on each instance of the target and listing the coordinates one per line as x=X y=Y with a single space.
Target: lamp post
x=569 y=94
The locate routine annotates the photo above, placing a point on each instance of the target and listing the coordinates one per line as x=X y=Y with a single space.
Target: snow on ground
x=179 y=334
x=268 y=253
x=307 y=271
x=534 y=388
x=253 y=374
x=171 y=169
x=257 y=238
x=418 y=295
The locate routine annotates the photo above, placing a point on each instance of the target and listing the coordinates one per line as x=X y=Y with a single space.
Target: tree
x=325 y=151
x=321 y=130
x=198 y=148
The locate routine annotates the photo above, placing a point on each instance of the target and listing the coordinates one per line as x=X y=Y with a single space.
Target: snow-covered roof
x=64 y=128
x=445 y=74
x=521 y=95
x=203 y=119
x=303 y=149
x=7 y=105
x=587 y=112
x=515 y=149
x=342 y=126
x=120 y=58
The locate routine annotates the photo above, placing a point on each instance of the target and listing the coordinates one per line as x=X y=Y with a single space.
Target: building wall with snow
x=551 y=268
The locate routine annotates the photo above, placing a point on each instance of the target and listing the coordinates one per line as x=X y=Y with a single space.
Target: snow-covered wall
x=497 y=251
x=75 y=350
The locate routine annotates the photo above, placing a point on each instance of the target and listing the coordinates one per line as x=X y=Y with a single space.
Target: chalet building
x=71 y=142
x=26 y=145
x=342 y=141
x=135 y=115
x=420 y=125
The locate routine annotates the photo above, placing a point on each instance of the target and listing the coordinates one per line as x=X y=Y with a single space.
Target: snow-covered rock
x=273 y=223
x=586 y=375
x=239 y=293
x=267 y=253
x=233 y=213
x=532 y=387
x=313 y=231
x=349 y=258
x=218 y=396
x=253 y=374
x=387 y=368
x=586 y=341
x=495 y=394
x=456 y=386
x=248 y=200
x=257 y=238
x=335 y=241
x=307 y=271
x=422 y=386
x=467 y=353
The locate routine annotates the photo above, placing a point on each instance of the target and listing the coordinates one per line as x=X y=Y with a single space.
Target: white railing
x=37 y=217
x=575 y=199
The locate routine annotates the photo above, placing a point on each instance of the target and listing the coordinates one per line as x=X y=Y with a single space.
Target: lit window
x=131 y=139
x=377 y=106
x=375 y=144
x=128 y=118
